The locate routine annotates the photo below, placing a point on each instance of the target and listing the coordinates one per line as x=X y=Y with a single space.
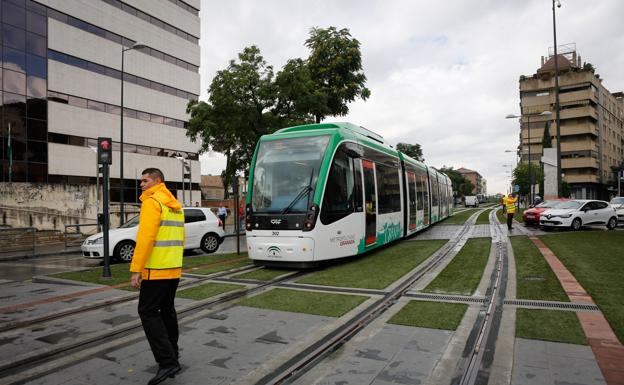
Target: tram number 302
x=275 y=233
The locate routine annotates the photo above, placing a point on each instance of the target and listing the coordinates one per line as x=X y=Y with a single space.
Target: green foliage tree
x=335 y=66
x=521 y=176
x=237 y=112
x=412 y=150
x=546 y=139
x=566 y=191
x=296 y=96
x=461 y=185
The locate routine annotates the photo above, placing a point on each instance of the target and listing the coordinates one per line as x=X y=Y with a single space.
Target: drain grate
x=552 y=305
x=445 y=297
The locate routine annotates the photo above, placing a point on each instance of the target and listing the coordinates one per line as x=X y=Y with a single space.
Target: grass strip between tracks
x=262 y=274
x=308 y=302
x=596 y=260
x=376 y=270
x=484 y=218
x=549 y=325
x=463 y=274
x=535 y=279
x=458 y=218
x=207 y=290
x=121 y=274
x=433 y=315
x=502 y=218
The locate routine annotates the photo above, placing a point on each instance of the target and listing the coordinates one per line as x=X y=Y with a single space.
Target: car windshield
x=617 y=201
x=570 y=205
x=285 y=174
x=133 y=222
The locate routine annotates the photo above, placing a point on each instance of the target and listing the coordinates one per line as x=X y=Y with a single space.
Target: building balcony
x=584 y=162
x=581 y=178
x=576 y=129
x=579 y=112
x=584 y=145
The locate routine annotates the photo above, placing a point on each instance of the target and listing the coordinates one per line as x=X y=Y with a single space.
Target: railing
x=17 y=240
x=67 y=234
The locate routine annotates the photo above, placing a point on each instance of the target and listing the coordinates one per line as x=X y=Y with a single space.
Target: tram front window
x=285 y=174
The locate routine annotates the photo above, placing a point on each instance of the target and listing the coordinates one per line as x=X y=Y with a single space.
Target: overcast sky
x=443 y=74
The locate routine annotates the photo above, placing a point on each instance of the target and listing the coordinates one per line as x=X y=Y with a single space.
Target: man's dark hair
x=154 y=173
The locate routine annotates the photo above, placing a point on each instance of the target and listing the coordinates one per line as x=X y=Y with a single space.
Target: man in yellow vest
x=156 y=269
x=510 y=206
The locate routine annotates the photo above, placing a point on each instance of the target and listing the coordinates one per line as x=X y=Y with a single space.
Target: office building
x=475 y=178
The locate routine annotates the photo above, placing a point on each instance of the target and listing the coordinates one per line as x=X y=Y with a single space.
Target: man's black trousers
x=159 y=319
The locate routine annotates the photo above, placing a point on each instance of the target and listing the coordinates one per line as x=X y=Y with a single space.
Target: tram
x=333 y=190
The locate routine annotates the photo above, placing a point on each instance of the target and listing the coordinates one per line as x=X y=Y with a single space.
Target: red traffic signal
x=105 y=151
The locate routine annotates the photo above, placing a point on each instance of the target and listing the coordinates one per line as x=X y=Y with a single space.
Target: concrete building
x=475 y=178
x=591 y=116
x=61 y=89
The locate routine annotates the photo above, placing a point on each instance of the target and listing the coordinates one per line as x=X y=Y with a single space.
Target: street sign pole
x=105 y=158
x=235 y=213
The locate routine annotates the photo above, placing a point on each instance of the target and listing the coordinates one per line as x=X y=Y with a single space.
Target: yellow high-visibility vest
x=169 y=244
x=510 y=204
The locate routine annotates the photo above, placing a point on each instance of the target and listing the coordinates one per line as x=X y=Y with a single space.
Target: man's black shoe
x=163 y=374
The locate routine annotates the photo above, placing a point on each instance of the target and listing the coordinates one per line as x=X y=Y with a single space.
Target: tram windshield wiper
x=305 y=191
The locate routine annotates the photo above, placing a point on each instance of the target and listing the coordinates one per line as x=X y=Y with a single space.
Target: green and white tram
x=325 y=191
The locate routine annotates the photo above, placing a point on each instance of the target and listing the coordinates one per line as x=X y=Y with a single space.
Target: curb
x=61 y=281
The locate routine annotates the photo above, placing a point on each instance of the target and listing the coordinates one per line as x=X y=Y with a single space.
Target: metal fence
x=18 y=240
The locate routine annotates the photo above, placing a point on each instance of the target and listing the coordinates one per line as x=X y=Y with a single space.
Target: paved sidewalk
x=608 y=350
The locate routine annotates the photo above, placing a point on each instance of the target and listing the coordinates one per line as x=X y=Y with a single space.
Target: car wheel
x=612 y=223
x=210 y=243
x=576 y=224
x=124 y=251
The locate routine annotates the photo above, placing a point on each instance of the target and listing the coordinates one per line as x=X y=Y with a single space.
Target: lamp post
x=528 y=116
x=510 y=175
x=121 y=132
x=558 y=118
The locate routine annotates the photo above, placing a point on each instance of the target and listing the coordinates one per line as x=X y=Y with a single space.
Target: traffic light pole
x=106 y=272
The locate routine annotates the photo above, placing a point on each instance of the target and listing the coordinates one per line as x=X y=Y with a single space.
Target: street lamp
x=121 y=139
x=559 y=187
x=528 y=116
x=510 y=175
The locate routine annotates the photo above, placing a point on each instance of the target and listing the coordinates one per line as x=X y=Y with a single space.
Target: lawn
x=535 y=279
x=433 y=315
x=549 y=325
x=458 y=218
x=378 y=269
x=218 y=268
x=596 y=259
x=263 y=274
x=207 y=290
x=119 y=272
x=502 y=218
x=190 y=262
x=463 y=274
x=308 y=302
x=484 y=218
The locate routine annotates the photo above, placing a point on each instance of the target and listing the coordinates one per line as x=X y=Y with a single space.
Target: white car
x=202 y=229
x=618 y=204
x=578 y=213
x=471 y=200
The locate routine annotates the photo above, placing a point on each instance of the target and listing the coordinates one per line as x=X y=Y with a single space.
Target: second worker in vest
x=510 y=206
x=156 y=269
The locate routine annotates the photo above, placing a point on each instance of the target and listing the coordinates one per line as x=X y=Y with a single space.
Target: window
x=388 y=189
x=14 y=82
x=339 y=190
x=14 y=59
x=36 y=23
x=13 y=37
x=194 y=215
x=434 y=191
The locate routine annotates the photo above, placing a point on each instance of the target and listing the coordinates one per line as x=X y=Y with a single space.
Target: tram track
x=24 y=368
x=312 y=355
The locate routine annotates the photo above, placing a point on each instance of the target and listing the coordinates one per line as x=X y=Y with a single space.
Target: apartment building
x=592 y=131
x=62 y=89
x=475 y=178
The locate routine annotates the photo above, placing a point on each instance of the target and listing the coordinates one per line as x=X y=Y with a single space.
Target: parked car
x=618 y=204
x=531 y=216
x=578 y=213
x=202 y=229
x=471 y=200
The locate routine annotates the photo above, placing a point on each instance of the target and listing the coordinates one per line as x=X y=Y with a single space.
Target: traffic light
x=105 y=150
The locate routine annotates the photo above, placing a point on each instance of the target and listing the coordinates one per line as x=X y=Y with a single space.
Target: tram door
x=411 y=184
x=370 y=202
x=425 y=190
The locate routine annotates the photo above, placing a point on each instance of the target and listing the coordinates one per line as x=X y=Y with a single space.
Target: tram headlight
x=310 y=219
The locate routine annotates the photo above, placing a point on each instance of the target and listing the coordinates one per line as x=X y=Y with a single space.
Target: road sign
x=516 y=188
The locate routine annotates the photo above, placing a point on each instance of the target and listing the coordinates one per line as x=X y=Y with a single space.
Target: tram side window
x=434 y=192
x=388 y=189
x=338 y=199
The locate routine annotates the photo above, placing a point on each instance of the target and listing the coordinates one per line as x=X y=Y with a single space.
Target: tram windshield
x=285 y=174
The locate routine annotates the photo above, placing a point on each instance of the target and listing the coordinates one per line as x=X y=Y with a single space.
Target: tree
x=521 y=176
x=295 y=94
x=237 y=112
x=413 y=150
x=335 y=67
x=461 y=185
x=546 y=139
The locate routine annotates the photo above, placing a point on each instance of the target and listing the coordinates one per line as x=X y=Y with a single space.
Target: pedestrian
x=156 y=269
x=503 y=203
x=510 y=203
x=196 y=204
x=241 y=217
x=222 y=214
